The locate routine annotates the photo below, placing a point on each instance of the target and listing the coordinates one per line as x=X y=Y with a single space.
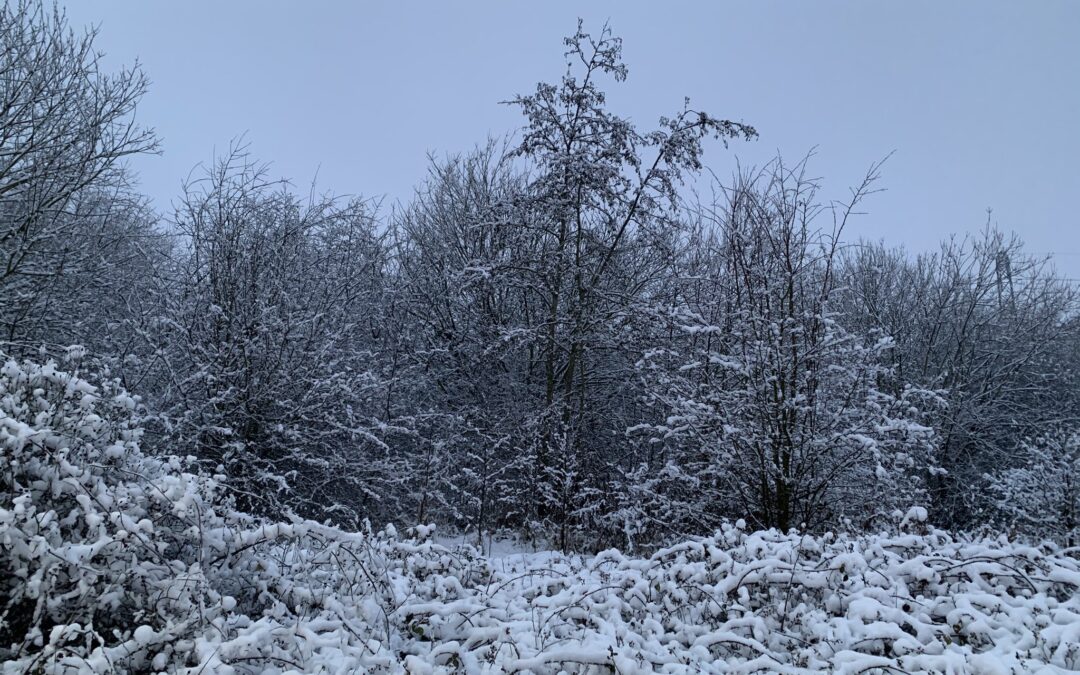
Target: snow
x=733 y=602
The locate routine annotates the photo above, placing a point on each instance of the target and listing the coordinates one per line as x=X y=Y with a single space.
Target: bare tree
x=774 y=406
x=65 y=127
x=603 y=196
x=267 y=365
x=989 y=326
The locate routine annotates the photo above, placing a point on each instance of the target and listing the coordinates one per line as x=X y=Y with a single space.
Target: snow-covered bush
x=913 y=600
x=112 y=561
x=1041 y=498
x=94 y=535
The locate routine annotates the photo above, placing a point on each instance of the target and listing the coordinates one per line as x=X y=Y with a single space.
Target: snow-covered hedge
x=112 y=561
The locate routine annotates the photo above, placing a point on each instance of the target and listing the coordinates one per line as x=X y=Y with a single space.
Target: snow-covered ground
x=741 y=602
x=910 y=601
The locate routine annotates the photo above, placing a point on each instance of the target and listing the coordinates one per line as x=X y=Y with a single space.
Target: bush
x=116 y=561
x=96 y=536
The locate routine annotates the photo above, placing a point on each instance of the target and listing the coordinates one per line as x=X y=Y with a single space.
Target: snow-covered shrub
x=770 y=602
x=94 y=539
x=113 y=561
x=1041 y=498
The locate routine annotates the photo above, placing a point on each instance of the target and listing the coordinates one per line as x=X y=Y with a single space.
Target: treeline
x=548 y=338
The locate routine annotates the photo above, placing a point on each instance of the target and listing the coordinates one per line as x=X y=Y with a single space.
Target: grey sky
x=979 y=100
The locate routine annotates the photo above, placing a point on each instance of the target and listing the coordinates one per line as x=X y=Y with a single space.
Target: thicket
x=549 y=338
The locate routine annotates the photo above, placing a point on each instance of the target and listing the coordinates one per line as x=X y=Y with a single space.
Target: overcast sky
x=980 y=101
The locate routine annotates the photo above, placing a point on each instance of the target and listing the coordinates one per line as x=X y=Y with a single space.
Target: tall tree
x=603 y=195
